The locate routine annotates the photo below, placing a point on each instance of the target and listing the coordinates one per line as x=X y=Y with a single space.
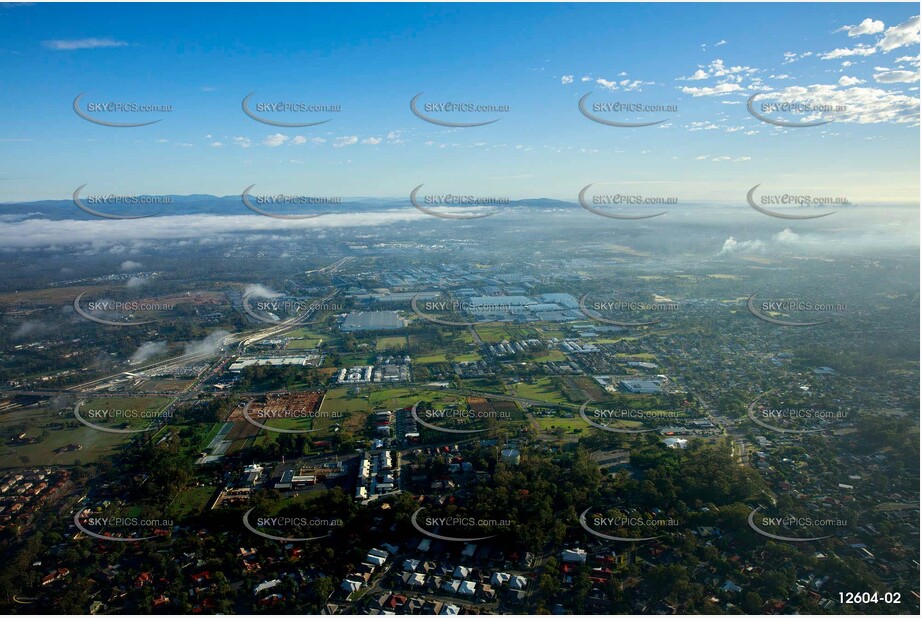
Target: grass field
x=55 y=430
x=308 y=343
x=543 y=389
x=569 y=425
x=61 y=431
x=340 y=400
x=428 y=360
x=190 y=502
x=551 y=356
x=391 y=343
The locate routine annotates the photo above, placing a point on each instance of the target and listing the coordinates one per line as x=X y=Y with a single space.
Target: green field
x=494 y=333
x=543 y=389
x=36 y=421
x=569 y=425
x=391 y=343
x=551 y=356
x=340 y=400
x=190 y=502
x=308 y=343
x=56 y=429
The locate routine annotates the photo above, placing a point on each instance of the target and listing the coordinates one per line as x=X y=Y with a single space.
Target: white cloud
x=373 y=141
x=908 y=33
x=297 y=140
x=789 y=57
x=843 y=52
x=867 y=26
x=719 y=89
x=721 y=42
x=129 y=266
x=857 y=104
x=72 y=44
x=217 y=144
x=846 y=80
x=606 y=84
x=566 y=79
x=894 y=77
x=242 y=142
x=347 y=140
x=273 y=141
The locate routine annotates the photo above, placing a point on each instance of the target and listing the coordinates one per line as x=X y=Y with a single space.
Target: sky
x=539 y=60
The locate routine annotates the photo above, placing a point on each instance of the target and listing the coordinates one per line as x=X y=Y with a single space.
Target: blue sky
x=538 y=59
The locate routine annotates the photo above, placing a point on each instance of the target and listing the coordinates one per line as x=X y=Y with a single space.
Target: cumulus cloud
x=895 y=77
x=867 y=26
x=347 y=140
x=242 y=142
x=129 y=266
x=606 y=84
x=908 y=33
x=845 y=52
x=857 y=104
x=566 y=79
x=135 y=282
x=709 y=91
x=273 y=141
x=789 y=57
x=373 y=141
x=849 y=81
